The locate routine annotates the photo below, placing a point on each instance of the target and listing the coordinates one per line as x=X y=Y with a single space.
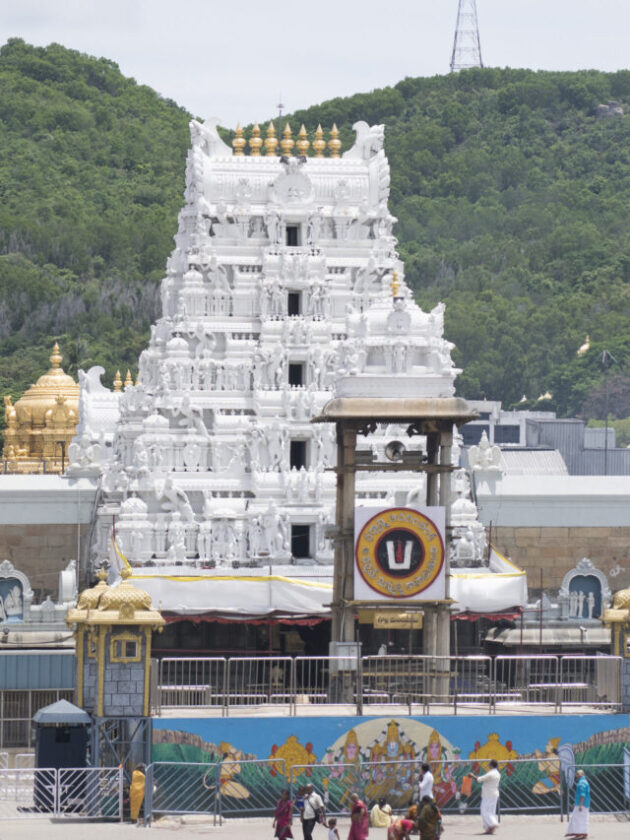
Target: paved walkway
x=512 y=828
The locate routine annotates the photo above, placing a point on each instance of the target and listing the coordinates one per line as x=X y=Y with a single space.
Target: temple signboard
x=399 y=554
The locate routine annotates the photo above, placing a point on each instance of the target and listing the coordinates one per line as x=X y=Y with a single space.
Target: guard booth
x=61 y=741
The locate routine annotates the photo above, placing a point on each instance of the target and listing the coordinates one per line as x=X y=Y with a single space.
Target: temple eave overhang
x=453 y=409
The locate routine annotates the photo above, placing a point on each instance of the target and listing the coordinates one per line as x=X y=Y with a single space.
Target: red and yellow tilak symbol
x=399 y=552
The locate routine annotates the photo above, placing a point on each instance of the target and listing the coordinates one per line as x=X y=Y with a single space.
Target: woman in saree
x=429 y=819
x=284 y=816
x=400 y=829
x=359 y=819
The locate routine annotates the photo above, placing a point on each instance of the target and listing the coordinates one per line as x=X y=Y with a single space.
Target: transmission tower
x=466 y=44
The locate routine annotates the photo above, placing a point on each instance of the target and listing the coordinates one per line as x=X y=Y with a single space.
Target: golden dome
x=34 y=404
x=89 y=598
x=125 y=594
x=42 y=422
x=621 y=599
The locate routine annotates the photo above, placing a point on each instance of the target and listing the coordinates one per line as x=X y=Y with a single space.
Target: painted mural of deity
x=435 y=754
x=389 y=767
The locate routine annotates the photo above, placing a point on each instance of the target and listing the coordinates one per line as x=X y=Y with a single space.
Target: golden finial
x=255 y=141
x=238 y=144
x=286 y=144
x=395 y=284
x=334 y=144
x=102 y=574
x=56 y=358
x=117 y=382
x=128 y=379
x=319 y=144
x=303 y=142
x=271 y=143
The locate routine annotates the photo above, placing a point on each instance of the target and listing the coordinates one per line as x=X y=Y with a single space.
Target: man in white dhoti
x=489 y=797
x=578 y=821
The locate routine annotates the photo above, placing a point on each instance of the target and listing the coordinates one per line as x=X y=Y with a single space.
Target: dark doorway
x=294 y=304
x=293 y=235
x=297 y=455
x=301 y=541
x=296 y=374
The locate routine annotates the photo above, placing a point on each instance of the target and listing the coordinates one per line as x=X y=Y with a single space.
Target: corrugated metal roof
x=30 y=670
x=532 y=462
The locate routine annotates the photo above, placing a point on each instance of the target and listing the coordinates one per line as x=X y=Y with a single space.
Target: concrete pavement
x=512 y=828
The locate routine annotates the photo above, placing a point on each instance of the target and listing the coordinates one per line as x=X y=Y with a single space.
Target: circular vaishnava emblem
x=399 y=552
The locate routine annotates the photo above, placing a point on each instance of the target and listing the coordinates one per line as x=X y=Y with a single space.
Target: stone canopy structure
x=284 y=282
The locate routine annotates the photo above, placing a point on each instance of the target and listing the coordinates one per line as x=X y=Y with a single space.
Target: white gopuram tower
x=279 y=285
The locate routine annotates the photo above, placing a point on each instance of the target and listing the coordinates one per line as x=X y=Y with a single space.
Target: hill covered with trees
x=512 y=197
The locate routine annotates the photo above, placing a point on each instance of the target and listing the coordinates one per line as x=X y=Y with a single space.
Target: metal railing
x=94 y=792
x=541 y=785
x=17 y=708
x=224 y=788
x=417 y=683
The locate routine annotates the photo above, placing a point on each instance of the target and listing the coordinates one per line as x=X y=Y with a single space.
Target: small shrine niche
x=584 y=592
x=16 y=594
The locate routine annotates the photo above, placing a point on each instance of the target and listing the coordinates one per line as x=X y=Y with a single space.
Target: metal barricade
x=4 y=760
x=609 y=785
x=590 y=680
x=94 y=792
x=250 y=788
x=399 y=680
x=190 y=682
x=174 y=787
x=471 y=681
x=526 y=679
x=255 y=681
x=528 y=786
x=24 y=760
x=334 y=782
x=326 y=680
x=28 y=793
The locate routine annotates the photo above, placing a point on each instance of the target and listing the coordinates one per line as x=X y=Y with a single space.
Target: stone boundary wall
x=41 y=552
x=557 y=550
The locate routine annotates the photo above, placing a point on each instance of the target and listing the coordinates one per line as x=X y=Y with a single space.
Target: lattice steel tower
x=466 y=44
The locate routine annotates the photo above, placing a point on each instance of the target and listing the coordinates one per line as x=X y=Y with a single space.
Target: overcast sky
x=235 y=58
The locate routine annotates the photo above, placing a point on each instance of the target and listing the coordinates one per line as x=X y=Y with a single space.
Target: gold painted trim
x=247 y=578
x=147 y=671
x=80 y=641
x=101 y=671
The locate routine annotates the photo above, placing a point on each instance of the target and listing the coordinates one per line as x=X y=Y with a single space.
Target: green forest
x=511 y=194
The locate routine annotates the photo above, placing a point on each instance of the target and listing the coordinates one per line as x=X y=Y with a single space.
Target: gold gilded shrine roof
x=124 y=604
x=37 y=406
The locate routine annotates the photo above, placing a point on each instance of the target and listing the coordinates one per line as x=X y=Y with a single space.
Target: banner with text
x=399 y=554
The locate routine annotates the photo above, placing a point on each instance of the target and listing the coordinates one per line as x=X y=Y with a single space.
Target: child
x=333 y=833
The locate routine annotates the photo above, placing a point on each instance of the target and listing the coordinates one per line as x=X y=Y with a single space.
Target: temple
x=284 y=283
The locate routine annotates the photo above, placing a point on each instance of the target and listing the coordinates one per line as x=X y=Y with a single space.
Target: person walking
x=359 y=819
x=312 y=807
x=578 y=821
x=425 y=786
x=489 y=797
x=283 y=817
